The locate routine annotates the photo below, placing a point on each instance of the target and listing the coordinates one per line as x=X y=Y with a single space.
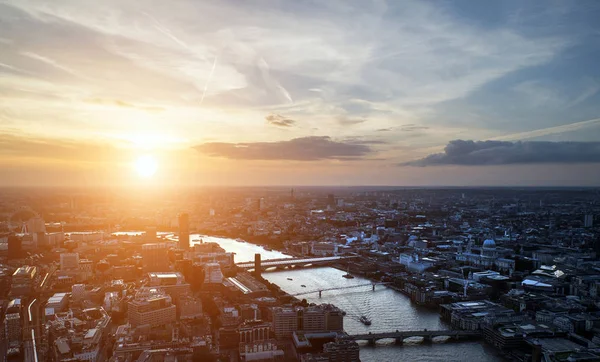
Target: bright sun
x=146 y=166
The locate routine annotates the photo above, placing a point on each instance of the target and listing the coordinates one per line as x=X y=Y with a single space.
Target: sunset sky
x=274 y=92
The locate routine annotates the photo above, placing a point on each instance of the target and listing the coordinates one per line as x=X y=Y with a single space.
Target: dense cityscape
x=224 y=274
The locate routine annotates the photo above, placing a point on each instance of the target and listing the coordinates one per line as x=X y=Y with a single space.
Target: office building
x=153 y=307
x=78 y=291
x=588 y=221
x=154 y=257
x=12 y=329
x=151 y=234
x=14 y=246
x=321 y=318
x=342 y=350
x=212 y=273
x=58 y=302
x=189 y=307
x=23 y=280
x=184 y=231
x=69 y=261
x=172 y=283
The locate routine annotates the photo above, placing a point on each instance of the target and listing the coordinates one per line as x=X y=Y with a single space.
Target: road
x=30 y=331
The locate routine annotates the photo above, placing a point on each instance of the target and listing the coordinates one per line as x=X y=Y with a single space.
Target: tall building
x=14 y=246
x=184 y=231
x=330 y=200
x=588 y=221
x=12 y=329
x=69 y=261
x=154 y=257
x=151 y=234
x=153 y=307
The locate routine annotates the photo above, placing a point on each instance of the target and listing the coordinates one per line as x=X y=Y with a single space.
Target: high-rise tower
x=184 y=231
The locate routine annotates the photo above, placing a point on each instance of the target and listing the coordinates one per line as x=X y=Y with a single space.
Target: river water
x=389 y=310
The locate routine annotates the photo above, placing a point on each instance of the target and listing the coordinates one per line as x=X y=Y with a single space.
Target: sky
x=268 y=92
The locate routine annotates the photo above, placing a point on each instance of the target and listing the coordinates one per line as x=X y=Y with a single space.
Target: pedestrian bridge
x=427 y=335
x=320 y=291
x=294 y=262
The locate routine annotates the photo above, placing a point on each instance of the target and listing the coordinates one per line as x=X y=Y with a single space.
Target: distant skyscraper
x=184 y=231
x=14 y=247
x=261 y=203
x=151 y=233
x=331 y=200
x=588 y=221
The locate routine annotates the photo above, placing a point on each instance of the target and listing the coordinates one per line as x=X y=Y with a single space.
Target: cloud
x=297 y=149
x=412 y=127
x=473 y=153
x=279 y=120
x=347 y=121
x=121 y=103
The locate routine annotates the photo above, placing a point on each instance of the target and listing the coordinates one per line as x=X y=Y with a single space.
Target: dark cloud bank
x=472 y=153
x=297 y=149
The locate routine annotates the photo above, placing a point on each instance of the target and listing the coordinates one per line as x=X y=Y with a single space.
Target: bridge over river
x=292 y=262
x=427 y=335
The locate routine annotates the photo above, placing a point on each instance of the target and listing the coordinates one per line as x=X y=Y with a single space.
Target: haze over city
x=188 y=92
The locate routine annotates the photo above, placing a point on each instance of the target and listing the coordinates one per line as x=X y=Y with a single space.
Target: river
x=389 y=310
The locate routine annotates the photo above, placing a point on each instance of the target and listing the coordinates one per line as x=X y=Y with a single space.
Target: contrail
x=272 y=82
x=158 y=26
x=208 y=80
x=548 y=131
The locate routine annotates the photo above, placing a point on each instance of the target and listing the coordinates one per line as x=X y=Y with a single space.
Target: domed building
x=488 y=257
x=488 y=250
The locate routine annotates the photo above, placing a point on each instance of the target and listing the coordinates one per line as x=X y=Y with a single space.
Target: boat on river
x=364 y=320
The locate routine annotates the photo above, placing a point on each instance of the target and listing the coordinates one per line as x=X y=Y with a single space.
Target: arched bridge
x=400 y=336
x=338 y=288
x=293 y=262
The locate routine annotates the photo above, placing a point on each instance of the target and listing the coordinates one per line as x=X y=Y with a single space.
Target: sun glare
x=146 y=166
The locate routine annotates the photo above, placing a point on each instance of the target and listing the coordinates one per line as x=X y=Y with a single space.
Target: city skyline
x=280 y=93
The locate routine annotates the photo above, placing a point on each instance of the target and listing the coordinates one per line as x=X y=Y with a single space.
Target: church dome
x=489 y=243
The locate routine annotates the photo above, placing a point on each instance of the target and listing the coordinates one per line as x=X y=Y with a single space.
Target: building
x=78 y=292
x=58 y=302
x=23 y=280
x=153 y=307
x=86 y=269
x=12 y=329
x=321 y=318
x=475 y=315
x=14 y=246
x=69 y=261
x=151 y=234
x=189 y=307
x=213 y=274
x=342 y=350
x=588 y=221
x=76 y=340
x=172 y=283
x=184 y=231
x=154 y=257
